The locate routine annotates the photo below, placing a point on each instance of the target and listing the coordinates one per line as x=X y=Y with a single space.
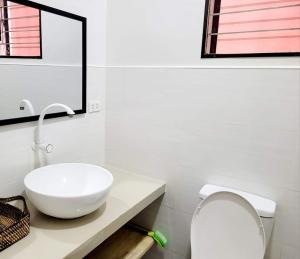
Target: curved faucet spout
x=39 y=141
x=26 y=103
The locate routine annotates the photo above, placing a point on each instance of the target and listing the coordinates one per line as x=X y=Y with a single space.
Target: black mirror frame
x=83 y=20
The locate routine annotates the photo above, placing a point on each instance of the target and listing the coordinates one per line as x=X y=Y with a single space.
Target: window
x=235 y=28
x=20 y=30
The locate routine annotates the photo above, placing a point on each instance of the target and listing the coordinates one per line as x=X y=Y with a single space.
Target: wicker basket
x=14 y=223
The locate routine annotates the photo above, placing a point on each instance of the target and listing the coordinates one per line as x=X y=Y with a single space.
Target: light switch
x=94 y=106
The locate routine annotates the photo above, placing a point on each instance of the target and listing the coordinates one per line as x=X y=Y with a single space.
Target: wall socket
x=94 y=106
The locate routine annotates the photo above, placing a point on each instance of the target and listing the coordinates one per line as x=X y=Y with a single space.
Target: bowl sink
x=68 y=190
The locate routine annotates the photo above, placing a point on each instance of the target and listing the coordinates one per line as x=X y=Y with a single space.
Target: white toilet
x=231 y=224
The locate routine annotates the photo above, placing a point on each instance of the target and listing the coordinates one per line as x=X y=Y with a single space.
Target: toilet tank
x=265 y=208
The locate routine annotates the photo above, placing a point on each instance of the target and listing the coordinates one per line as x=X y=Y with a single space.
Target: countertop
x=55 y=239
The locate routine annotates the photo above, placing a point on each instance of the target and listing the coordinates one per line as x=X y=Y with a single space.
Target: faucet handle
x=48 y=148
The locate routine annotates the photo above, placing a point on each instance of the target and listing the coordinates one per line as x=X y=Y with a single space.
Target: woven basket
x=14 y=223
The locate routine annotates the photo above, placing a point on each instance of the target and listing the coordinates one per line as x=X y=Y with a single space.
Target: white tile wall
x=191 y=121
x=232 y=127
x=168 y=32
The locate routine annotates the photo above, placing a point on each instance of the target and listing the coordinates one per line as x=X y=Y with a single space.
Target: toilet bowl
x=231 y=224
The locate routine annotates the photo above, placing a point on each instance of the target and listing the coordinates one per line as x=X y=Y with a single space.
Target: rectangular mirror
x=42 y=60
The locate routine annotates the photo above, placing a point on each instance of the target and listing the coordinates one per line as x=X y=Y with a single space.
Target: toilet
x=231 y=224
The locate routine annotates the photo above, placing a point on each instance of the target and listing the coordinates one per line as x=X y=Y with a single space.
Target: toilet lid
x=226 y=226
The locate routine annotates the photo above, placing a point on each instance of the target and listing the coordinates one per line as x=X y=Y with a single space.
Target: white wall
x=232 y=122
x=77 y=139
x=168 y=32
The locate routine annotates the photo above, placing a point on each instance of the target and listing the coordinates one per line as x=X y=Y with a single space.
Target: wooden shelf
x=126 y=243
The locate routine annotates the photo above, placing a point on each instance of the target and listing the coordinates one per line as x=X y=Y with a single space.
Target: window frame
x=215 y=25
x=6 y=28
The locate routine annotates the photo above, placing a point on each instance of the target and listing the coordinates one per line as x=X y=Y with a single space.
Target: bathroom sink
x=68 y=190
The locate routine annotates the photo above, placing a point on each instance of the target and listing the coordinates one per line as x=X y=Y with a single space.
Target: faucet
x=39 y=143
x=26 y=103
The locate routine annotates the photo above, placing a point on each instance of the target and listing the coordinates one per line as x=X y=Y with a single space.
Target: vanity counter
x=52 y=238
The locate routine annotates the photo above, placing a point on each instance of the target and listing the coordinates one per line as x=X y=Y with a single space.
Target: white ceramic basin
x=68 y=190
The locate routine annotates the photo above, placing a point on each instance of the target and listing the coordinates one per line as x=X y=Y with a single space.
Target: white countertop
x=54 y=239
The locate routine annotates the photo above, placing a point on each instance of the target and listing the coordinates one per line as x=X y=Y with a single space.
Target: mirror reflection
x=20 y=29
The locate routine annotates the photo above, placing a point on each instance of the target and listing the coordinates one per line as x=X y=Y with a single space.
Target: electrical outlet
x=94 y=106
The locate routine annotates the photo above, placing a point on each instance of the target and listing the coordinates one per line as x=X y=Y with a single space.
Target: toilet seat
x=226 y=226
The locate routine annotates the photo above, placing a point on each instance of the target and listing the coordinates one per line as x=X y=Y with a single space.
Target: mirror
x=42 y=61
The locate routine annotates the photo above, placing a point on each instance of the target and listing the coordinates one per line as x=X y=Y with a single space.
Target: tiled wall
x=170 y=115
x=195 y=126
